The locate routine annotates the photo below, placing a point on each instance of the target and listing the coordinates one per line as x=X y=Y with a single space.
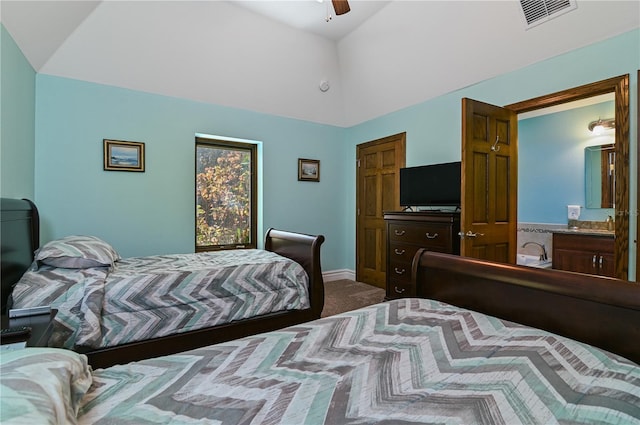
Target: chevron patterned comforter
x=145 y=297
x=402 y=362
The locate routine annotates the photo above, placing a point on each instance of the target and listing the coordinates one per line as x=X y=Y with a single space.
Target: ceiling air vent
x=539 y=11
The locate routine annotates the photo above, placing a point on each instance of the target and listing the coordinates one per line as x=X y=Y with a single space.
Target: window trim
x=253 y=150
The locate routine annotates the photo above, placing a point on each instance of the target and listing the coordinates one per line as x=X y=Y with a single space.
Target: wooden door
x=378 y=190
x=489 y=182
x=606 y=264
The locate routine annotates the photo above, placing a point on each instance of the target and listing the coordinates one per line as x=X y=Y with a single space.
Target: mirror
x=599 y=166
x=553 y=170
x=620 y=87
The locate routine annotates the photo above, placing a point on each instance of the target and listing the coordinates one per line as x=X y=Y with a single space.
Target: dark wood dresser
x=408 y=231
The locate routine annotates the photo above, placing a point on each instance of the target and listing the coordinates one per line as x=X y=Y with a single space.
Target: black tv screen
x=431 y=185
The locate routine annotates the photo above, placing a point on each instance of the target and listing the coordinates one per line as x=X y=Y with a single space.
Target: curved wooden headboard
x=20 y=237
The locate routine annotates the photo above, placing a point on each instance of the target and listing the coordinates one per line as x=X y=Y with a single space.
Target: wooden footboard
x=304 y=250
x=600 y=311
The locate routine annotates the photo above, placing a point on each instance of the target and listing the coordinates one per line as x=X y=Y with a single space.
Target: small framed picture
x=308 y=170
x=123 y=156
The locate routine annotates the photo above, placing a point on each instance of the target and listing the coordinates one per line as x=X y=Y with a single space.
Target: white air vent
x=539 y=11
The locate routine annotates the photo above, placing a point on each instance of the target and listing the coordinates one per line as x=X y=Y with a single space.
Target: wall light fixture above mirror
x=598 y=126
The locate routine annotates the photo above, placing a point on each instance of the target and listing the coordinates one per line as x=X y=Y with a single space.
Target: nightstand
x=41 y=327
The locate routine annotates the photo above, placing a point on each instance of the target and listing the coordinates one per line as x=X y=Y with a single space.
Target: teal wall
x=434 y=127
x=152 y=212
x=552 y=162
x=17 y=118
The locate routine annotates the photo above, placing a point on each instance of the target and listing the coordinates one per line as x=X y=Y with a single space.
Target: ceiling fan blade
x=341 y=6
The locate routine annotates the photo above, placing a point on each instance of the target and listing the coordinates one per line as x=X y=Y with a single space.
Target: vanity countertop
x=590 y=232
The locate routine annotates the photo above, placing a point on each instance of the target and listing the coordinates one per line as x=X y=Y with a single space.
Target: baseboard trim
x=338 y=275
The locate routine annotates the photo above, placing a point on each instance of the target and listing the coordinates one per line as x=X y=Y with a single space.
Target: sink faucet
x=543 y=255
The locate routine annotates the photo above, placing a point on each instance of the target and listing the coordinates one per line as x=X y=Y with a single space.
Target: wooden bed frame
x=20 y=238
x=600 y=311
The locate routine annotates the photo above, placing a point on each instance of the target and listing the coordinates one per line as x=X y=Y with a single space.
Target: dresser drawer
x=399 y=271
x=402 y=252
x=431 y=235
x=400 y=290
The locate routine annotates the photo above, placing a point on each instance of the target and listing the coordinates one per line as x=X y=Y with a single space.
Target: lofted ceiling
x=316 y=16
x=272 y=56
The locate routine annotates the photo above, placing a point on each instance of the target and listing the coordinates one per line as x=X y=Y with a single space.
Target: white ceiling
x=311 y=15
x=270 y=56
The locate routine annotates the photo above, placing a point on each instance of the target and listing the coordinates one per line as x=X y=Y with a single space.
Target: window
x=226 y=194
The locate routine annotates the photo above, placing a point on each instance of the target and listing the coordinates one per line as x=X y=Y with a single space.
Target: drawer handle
x=399 y=291
x=399 y=271
x=593 y=261
x=601 y=261
x=399 y=232
x=430 y=236
x=399 y=251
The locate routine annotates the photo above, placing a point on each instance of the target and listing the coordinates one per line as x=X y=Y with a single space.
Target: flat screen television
x=431 y=185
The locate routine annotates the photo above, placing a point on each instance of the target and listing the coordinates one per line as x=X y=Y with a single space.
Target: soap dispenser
x=610 y=223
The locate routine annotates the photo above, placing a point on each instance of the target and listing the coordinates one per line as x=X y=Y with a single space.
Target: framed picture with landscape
x=308 y=170
x=123 y=156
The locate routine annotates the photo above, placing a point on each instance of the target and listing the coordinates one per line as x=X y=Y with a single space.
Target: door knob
x=470 y=234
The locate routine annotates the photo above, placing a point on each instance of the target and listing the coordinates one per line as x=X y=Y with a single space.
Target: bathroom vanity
x=589 y=252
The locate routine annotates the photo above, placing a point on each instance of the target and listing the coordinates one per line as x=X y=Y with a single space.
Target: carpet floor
x=346 y=295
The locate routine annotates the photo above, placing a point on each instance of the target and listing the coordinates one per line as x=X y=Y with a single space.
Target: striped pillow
x=77 y=252
x=42 y=385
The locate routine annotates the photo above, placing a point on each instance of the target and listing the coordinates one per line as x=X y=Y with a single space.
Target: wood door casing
x=620 y=87
x=378 y=190
x=489 y=182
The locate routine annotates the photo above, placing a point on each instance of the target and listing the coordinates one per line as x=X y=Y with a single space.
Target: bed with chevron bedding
x=412 y=360
x=118 y=310
x=138 y=298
